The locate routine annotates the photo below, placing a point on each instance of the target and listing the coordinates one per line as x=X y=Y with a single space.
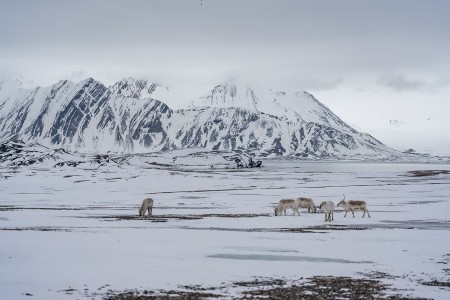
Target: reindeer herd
x=326 y=206
x=294 y=204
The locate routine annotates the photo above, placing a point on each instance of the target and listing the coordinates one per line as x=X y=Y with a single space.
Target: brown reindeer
x=352 y=205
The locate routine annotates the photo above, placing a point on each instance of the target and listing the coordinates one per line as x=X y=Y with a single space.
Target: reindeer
x=306 y=203
x=352 y=205
x=147 y=205
x=284 y=204
x=328 y=209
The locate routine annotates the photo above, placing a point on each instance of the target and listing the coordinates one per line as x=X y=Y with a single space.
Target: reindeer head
x=276 y=211
x=322 y=204
x=140 y=212
x=342 y=202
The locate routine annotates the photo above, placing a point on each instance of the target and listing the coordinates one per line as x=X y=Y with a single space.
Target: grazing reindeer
x=352 y=205
x=147 y=204
x=284 y=204
x=306 y=203
x=328 y=209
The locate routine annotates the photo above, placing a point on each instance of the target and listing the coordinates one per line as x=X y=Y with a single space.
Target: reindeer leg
x=353 y=213
x=368 y=213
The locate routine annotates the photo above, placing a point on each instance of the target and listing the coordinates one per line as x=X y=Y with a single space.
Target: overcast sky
x=382 y=66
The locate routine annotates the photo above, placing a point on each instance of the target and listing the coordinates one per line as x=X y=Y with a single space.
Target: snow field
x=73 y=228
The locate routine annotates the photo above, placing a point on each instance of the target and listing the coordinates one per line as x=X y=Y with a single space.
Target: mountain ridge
x=128 y=117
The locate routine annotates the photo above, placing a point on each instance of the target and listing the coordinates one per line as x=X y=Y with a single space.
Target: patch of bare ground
x=317 y=287
x=422 y=173
x=326 y=287
x=6 y=207
x=378 y=275
x=38 y=228
x=335 y=227
x=441 y=283
x=437 y=283
x=165 y=218
x=310 y=229
x=321 y=228
x=16 y=207
x=161 y=295
x=154 y=218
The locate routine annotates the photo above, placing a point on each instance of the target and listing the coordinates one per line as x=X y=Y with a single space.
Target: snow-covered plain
x=73 y=232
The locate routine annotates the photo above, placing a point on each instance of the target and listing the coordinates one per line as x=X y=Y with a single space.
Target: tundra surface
x=73 y=232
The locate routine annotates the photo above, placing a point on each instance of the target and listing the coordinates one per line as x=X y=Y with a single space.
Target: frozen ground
x=73 y=232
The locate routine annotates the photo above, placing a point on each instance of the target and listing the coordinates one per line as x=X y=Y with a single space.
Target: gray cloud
x=402 y=83
x=300 y=40
x=321 y=85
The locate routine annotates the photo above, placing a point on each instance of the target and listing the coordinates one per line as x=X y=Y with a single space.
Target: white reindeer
x=352 y=205
x=328 y=209
x=147 y=205
x=284 y=204
x=306 y=203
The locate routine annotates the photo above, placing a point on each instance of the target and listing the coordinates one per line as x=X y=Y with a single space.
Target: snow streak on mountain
x=130 y=116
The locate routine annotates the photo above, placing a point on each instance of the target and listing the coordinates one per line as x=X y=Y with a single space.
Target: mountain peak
x=17 y=82
x=233 y=92
x=140 y=88
x=134 y=88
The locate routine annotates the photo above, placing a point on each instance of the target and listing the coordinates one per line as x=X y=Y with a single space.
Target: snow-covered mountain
x=130 y=116
x=296 y=106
